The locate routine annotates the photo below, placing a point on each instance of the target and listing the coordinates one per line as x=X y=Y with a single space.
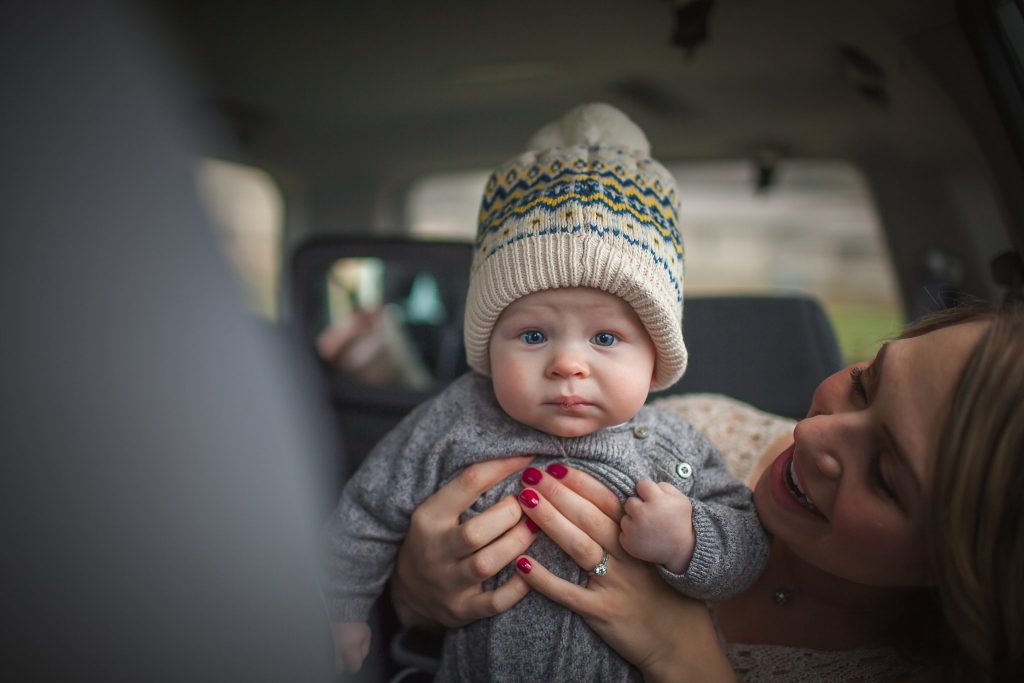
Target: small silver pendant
x=782 y=596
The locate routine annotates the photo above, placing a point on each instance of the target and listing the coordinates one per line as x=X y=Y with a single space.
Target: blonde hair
x=976 y=522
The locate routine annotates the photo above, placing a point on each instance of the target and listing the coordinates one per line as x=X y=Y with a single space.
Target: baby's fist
x=658 y=526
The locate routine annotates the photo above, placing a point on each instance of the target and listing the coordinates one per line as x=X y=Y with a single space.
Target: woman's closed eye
x=879 y=477
x=533 y=337
x=857 y=382
x=604 y=339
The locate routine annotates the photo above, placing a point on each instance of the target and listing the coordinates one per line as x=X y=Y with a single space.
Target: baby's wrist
x=679 y=561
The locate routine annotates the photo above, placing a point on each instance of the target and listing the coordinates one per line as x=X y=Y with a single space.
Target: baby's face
x=571 y=361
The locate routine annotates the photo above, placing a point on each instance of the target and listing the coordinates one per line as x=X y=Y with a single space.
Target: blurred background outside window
x=813 y=229
x=246 y=207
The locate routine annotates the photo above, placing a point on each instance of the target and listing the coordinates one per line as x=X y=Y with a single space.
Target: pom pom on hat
x=585 y=206
x=592 y=125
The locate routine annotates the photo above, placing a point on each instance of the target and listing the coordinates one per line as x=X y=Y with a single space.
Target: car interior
x=199 y=194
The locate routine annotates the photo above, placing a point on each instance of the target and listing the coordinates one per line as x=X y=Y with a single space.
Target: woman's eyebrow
x=873 y=379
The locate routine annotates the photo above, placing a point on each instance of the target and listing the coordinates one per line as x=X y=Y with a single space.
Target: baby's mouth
x=793 y=485
x=570 y=403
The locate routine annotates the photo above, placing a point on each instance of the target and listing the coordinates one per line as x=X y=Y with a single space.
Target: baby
x=574 y=314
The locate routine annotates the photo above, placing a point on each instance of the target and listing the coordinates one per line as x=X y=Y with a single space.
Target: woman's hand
x=442 y=564
x=666 y=635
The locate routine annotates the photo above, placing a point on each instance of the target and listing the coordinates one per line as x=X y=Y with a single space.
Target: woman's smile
x=786 y=490
x=850 y=495
x=792 y=482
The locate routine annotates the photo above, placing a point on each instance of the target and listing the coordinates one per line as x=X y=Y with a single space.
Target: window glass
x=445 y=205
x=246 y=207
x=1010 y=16
x=812 y=230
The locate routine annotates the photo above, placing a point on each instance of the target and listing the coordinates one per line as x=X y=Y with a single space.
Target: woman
x=895 y=509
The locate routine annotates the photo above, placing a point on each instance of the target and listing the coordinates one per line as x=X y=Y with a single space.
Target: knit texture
x=536 y=640
x=588 y=213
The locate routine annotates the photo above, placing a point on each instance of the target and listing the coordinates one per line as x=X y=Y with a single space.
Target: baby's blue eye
x=604 y=339
x=532 y=337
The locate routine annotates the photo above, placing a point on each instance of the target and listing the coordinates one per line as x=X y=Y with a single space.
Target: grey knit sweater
x=537 y=639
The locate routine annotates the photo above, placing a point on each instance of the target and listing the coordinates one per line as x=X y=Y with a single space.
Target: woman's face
x=850 y=495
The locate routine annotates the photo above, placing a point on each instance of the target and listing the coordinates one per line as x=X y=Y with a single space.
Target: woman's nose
x=823 y=437
x=828 y=464
x=567 y=362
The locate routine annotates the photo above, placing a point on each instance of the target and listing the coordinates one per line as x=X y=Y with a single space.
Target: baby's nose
x=567 y=362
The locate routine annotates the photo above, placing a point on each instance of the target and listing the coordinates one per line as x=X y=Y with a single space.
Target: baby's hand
x=658 y=526
x=351 y=644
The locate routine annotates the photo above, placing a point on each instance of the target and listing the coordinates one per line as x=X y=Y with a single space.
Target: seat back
x=365 y=411
x=158 y=481
x=769 y=351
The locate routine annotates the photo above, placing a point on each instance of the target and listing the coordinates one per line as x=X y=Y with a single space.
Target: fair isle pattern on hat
x=582 y=215
x=629 y=206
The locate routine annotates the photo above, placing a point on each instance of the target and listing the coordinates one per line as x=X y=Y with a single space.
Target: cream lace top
x=742 y=433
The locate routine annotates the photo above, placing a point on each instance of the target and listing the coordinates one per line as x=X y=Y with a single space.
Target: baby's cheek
x=509 y=393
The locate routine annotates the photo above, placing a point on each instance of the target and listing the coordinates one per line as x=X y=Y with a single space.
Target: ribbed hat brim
x=579 y=259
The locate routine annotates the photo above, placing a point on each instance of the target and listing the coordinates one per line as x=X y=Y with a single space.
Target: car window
x=246 y=207
x=809 y=226
x=1010 y=16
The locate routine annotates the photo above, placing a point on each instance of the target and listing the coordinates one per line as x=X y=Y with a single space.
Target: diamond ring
x=602 y=567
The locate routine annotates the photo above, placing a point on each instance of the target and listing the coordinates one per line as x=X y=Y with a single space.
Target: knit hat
x=585 y=206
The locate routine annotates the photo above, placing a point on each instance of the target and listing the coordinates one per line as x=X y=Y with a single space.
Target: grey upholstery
x=770 y=351
x=159 y=510
x=364 y=413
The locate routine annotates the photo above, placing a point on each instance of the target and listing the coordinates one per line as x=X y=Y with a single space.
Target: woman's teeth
x=794 y=487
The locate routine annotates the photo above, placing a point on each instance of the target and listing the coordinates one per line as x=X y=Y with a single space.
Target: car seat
x=159 y=445
x=769 y=351
x=365 y=412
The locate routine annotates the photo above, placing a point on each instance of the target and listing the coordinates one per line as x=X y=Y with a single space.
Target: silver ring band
x=602 y=567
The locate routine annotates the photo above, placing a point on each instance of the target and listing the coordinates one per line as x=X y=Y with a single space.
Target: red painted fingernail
x=524 y=565
x=557 y=470
x=532 y=525
x=531 y=475
x=529 y=498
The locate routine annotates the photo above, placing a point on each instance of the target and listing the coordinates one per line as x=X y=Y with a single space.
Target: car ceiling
x=402 y=85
